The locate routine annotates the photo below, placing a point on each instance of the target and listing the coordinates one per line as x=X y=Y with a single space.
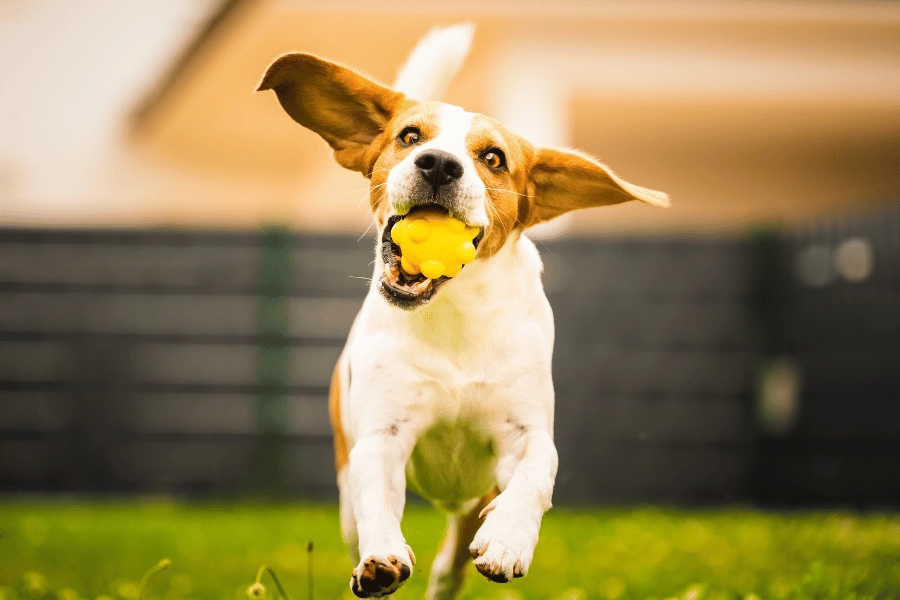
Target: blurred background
x=180 y=262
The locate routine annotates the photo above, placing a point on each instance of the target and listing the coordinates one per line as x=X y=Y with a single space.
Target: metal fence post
x=273 y=347
x=767 y=300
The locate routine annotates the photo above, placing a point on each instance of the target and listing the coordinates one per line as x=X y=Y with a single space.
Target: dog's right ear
x=348 y=110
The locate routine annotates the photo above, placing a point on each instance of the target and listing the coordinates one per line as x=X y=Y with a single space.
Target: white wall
x=70 y=71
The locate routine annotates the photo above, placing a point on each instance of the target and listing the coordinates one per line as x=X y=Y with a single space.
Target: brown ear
x=348 y=110
x=563 y=180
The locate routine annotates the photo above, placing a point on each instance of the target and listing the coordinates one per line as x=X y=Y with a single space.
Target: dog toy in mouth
x=434 y=244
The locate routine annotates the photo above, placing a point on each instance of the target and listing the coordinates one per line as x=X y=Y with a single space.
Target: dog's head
x=419 y=154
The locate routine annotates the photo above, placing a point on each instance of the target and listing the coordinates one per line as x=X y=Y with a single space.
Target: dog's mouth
x=403 y=289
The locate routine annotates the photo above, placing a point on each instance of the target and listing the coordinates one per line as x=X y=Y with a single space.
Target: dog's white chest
x=452 y=462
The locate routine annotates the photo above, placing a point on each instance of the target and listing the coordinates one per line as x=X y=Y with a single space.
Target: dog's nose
x=439 y=167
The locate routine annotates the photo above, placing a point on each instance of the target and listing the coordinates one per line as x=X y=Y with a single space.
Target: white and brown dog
x=444 y=385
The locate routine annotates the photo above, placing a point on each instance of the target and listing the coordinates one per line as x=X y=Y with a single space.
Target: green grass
x=97 y=551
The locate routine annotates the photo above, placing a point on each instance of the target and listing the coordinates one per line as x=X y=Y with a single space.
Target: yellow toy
x=434 y=244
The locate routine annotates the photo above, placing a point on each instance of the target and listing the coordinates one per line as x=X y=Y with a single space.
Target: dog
x=444 y=386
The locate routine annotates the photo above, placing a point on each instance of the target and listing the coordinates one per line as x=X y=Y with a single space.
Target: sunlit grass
x=100 y=551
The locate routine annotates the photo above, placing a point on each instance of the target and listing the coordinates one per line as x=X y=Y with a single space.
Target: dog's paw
x=382 y=573
x=504 y=545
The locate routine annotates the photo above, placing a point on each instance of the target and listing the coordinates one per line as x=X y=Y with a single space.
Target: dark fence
x=169 y=361
x=650 y=368
x=840 y=328
x=199 y=362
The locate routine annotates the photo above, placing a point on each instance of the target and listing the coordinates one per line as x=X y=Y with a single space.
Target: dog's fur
x=445 y=386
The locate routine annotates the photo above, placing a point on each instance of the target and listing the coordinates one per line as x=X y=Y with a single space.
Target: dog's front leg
x=377 y=483
x=504 y=544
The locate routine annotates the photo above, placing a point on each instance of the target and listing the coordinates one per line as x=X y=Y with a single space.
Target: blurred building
x=179 y=261
x=142 y=114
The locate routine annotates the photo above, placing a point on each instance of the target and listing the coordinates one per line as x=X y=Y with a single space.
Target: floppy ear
x=348 y=110
x=561 y=181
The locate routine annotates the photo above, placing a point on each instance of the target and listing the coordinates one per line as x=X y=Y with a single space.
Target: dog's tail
x=434 y=62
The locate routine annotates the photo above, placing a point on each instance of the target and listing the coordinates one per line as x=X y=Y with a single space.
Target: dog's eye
x=409 y=136
x=494 y=159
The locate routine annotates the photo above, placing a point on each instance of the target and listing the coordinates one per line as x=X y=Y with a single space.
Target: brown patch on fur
x=388 y=152
x=347 y=109
x=562 y=181
x=505 y=188
x=539 y=184
x=464 y=533
x=341 y=452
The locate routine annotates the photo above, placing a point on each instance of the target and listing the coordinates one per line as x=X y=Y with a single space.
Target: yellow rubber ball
x=434 y=243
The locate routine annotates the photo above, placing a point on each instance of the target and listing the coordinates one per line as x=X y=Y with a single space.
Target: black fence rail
x=199 y=363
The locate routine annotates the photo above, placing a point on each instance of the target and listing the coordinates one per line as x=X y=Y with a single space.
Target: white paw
x=382 y=573
x=504 y=545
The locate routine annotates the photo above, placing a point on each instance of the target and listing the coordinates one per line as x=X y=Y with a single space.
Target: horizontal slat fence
x=650 y=368
x=199 y=363
x=844 y=334
x=131 y=360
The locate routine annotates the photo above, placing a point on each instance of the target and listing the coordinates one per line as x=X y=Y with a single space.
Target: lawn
x=100 y=551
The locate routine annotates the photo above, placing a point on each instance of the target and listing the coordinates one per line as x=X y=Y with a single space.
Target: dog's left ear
x=560 y=181
x=348 y=110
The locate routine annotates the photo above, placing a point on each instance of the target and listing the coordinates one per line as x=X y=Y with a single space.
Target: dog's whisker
x=365 y=232
x=506 y=191
x=364 y=189
x=380 y=186
x=513 y=116
x=363 y=199
x=495 y=212
x=353 y=191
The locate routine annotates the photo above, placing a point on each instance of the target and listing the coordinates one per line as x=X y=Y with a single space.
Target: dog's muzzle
x=400 y=288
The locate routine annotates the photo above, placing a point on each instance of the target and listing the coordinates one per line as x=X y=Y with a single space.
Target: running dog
x=444 y=385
